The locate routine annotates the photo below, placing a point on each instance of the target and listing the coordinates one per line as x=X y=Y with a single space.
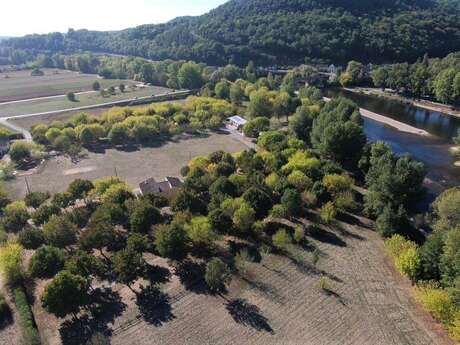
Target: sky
x=21 y=17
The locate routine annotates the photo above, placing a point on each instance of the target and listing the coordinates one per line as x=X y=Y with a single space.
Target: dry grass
x=166 y=160
x=21 y=85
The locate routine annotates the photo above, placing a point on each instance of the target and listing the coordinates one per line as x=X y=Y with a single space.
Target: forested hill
x=282 y=32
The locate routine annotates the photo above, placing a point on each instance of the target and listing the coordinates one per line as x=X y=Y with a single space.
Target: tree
x=20 y=152
x=143 y=216
x=379 y=77
x=4 y=199
x=65 y=294
x=187 y=201
x=96 y=86
x=259 y=200
x=44 y=213
x=85 y=265
x=189 y=76
x=220 y=222
x=11 y=262
x=60 y=231
x=328 y=212
x=260 y=104
x=119 y=134
x=79 y=188
x=122 y=87
x=236 y=94
x=36 y=199
x=244 y=217
x=430 y=257
x=71 y=96
x=31 y=238
x=281 y=240
x=446 y=208
x=98 y=236
x=46 y=262
x=442 y=85
x=15 y=216
x=255 y=126
x=171 y=241
x=301 y=123
x=217 y=275
x=127 y=264
x=200 y=232
x=282 y=105
x=222 y=89
x=292 y=202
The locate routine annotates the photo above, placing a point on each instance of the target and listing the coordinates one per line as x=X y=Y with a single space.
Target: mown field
x=19 y=85
x=277 y=301
x=132 y=166
x=85 y=99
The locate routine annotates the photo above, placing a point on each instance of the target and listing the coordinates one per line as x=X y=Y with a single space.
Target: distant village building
x=167 y=188
x=332 y=69
x=237 y=122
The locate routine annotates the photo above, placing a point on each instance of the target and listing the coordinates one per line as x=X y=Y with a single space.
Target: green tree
x=236 y=94
x=79 y=188
x=189 y=76
x=171 y=241
x=96 y=86
x=301 y=123
x=44 y=213
x=99 y=235
x=255 y=126
x=85 y=265
x=46 y=262
x=143 y=216
x=222 y=89
x=31 y=238
x=65 y=294
x=200 y=232
x=20 y=152
x=60 y=231
x=292 y=202
x=443 y=85
x=217 y=275
x=11 y=262
x=282 y=105
x=15 y=216
x=244 y=217
x=36 y=199
x=260 y=104
x=127 y=264
x=119 y=134
x=282 y=240
x=379 y=77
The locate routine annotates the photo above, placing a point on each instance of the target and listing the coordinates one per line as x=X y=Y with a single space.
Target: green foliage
x=46 y=262
x=127 y=264
x=31 y=238
x=26 y=320
x=405 y=256
x=15 y=216
x=328 y=212
x=220 y=222
x=142 y=216
x=282 y=240
x=44 y=213
x=244 y=217
x=436 y=301
x=71 y=96
x=60 y=231
x=292 y=202
x=65 y=294
x=85 y=265
x=171 y=241
x=446 y=208
x=36 y=199
x=79 y=188
x=217 y=275
x=11 y=262
x=200 y=232
x=100 y=234
x=255 y=126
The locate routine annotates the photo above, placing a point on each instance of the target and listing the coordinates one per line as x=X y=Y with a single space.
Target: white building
x=237 y=122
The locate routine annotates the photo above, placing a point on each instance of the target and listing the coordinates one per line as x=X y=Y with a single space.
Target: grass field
x=133 y=167
x=62 y=103
x=20 y=85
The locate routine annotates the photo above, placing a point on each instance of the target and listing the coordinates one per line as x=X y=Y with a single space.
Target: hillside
x=282 y=31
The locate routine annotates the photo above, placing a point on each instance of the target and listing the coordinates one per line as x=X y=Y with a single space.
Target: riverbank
x=400 y=126
x=424 y=104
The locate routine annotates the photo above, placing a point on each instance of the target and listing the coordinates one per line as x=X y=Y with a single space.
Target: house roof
x=238 y=120
x=152 y=186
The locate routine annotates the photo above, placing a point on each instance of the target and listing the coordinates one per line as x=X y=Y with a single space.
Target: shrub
x=292 y=202
x=436 y=301
x=278 y=211
x=200 y=232
x=36 y=199
x=60 y=231
x=11 y=262
x=281 y=239
x=323 y=284
x=44 y=213
x=309 y=199
x=171 y=241
x=31 y=238
x=15 y=216
x=328 y=212
x=217 y=274
x=299 y=234
x=26 y=319
x=408 y=263
x=46 y=262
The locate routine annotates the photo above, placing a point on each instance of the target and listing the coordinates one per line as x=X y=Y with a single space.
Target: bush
x=36 y=199
x=31 y=238
x=15 y=216
x=171 y=241
x=278 y=211
x=11 y=262
x=299 y=234
x=309 y=199
x=44 y=213
x=437 y=302
x=281 y=239
x=60 y=231
x=26 y=319
x=328 y=212
x=405 y=256
x=217 y=274
x=46 y=262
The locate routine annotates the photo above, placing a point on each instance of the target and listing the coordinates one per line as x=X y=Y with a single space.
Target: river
x=432 y=150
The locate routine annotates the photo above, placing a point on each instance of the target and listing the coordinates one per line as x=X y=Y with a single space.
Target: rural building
x=167 y=188
x=4 y=146
x=237 y=122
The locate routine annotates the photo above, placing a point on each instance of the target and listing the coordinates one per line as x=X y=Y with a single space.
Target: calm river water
x=433 y=151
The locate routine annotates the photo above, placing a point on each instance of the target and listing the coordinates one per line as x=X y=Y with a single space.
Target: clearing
x=19 y=85
x=133 y=166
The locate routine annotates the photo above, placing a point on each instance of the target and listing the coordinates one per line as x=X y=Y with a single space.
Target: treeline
x=279 y=32
x=437 y=79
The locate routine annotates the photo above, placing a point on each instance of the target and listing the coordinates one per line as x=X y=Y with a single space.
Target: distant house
x=332 y=69
x=167 y=188
x=237 y=122
x=4 y=146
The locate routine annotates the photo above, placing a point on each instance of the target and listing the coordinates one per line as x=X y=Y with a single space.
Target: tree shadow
x=328 y=237
x=154 y=306
x=332 y=293
x=6 y=317
x=191 y=275
x=156 y=274
x=265 y=289
x=105 y=306
x=248 y=315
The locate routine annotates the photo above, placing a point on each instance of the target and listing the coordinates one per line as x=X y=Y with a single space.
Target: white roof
x=238 y=120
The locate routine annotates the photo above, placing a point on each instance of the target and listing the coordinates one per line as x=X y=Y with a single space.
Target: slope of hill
x=282 y=31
